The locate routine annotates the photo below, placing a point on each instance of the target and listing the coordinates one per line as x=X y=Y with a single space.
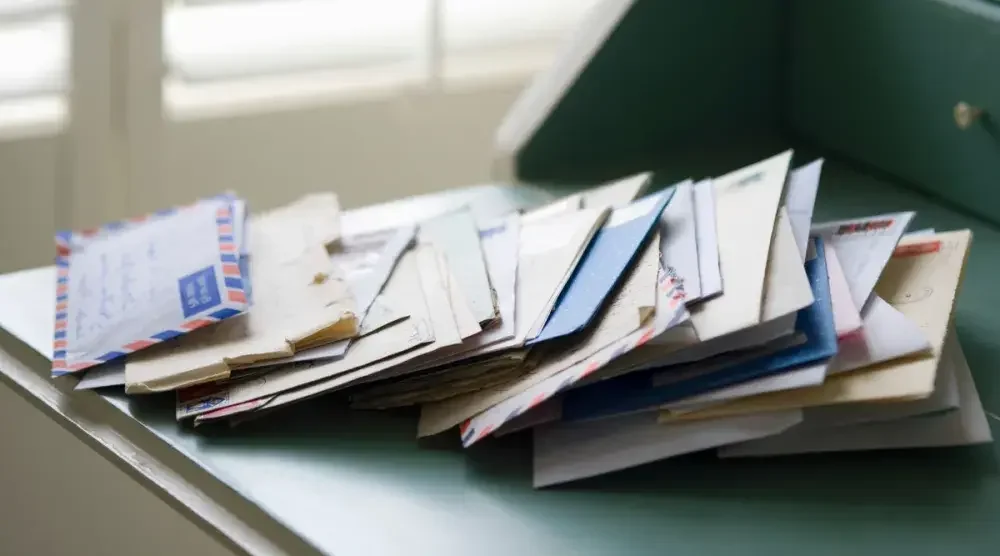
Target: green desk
x=316 y=477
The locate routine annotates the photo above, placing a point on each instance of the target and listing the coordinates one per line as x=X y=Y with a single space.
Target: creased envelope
x=441 y=321
x=455 y=234
x=631 y=306
x=863 y=247
x=288 y=232
x=786 y=291
x=404 y=289
x=800 y=199
x=500 y=245
x=922 y=281
x=746 y=203
x=299 y=302
x=679 y=241
x=548 y=253
x=707 y=237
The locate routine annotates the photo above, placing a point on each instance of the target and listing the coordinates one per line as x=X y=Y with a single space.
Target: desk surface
x=351 y=483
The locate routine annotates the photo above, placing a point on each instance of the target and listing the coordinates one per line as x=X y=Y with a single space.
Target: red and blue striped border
x=234 y=287
x=482 y=425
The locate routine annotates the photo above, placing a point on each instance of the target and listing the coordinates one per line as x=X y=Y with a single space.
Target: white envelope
x=864 y=246
x=800 y=198
x=566 y=452
x=885 y=334
x=457 y=236
x=679 y=241
x=548 y=252
x=706 y=235
x=630 y=307
x=746 y=203
x=966 y=426
x=846 y=315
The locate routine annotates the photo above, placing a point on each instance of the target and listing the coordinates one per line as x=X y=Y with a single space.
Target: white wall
x=365 y=150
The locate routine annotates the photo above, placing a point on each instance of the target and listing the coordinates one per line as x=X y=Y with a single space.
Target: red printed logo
x=915 y=249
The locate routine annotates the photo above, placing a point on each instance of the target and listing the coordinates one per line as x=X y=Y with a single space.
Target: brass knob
x=966 y=115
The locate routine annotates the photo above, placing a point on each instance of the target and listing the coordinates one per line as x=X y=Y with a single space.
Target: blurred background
x=115 y=107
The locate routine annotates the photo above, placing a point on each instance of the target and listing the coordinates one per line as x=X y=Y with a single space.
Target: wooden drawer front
x=877 y=80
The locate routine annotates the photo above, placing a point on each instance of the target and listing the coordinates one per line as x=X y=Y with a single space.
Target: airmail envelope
x=130 y=285
x=299 y=303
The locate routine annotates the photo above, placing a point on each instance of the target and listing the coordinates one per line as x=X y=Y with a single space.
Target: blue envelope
x=603 y=266
x=636 y=391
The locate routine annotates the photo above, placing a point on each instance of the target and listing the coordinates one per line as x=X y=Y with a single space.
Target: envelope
x=456 y=235
x=746 y=203
x=649 y=389
x=966 y=426
x=617 y=193
x=602 y=267
x=299 y=302
x=631 y=307
x=846 y=315
x=944 y=398
x=549 y=252
x=131 y=285
x=367 y=261
x=442 y=323
x=803 y=184
x=863 y=247
x=886 y=334
x=804 y=377
x=922 y=279
x=287 y=233
x=566 y=452
x=500 y=245
x=404 y=289
x=563 y=205
x=787 y=290
x=679 y=240
x=703 y=201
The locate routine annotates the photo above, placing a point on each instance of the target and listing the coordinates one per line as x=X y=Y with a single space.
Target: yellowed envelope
x=921 y=281
x=631 y=306
x=746 y=204
x=299 y=302
x=287 y=232
x=440 y=317
x=404 y=289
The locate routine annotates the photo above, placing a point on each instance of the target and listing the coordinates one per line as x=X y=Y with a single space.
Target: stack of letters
x=624 y=324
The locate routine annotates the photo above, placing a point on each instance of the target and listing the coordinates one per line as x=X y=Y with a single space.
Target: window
x=33 y=62
x=255 y=54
